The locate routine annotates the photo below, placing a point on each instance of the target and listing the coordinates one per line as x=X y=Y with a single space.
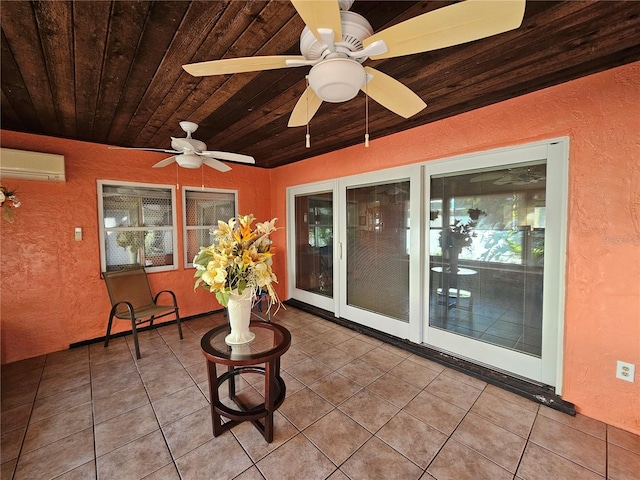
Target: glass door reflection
x=487 y=233
x=314 y=243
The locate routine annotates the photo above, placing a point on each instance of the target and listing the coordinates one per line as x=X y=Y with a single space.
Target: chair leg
x=106 y=337
x=134 y=330
x=179 y=326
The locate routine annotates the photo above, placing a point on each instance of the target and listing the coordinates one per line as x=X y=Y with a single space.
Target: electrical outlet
x=625 y=371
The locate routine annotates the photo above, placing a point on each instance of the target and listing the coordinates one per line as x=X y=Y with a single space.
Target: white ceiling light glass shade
x=189 y=160
x=337 y=80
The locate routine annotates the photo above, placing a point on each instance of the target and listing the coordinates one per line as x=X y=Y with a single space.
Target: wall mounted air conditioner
x=31 y=165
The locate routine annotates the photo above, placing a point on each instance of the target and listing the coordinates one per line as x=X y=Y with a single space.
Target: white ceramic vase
x=239 y=311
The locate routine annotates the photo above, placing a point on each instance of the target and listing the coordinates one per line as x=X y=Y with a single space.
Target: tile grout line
x=26 y=428
x=146 y=390
x=93 y=417
x=454 y=430
x=538 y=414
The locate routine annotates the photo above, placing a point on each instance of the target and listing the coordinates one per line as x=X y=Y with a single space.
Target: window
x=137 y=225
x=202 y=210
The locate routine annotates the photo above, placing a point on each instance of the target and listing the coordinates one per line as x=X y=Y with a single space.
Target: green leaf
x=223 y=298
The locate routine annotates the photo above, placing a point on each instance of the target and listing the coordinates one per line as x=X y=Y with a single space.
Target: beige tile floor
x=355 y=409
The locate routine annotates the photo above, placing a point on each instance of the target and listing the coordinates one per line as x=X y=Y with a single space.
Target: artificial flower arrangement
x=9 y=202
x=128 y=238
x=239 y=258
x=457 y=236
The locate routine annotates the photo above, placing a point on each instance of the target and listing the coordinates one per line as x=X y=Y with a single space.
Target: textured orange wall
x=51 y=291
x=600 y=114
x=46 y=276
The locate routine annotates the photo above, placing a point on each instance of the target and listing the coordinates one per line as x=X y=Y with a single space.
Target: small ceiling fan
x=335 y=42
x=191 y=153
x=513 y=176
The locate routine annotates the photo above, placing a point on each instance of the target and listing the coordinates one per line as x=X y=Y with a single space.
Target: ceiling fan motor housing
x=186 y=145
x=337 y=78
x=355 y=28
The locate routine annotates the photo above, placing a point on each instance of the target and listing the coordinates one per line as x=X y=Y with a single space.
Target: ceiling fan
x=335 y=42
x=191 y=153
x=513 y=176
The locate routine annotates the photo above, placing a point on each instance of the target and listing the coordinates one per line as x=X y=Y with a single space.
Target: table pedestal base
x=275 y=391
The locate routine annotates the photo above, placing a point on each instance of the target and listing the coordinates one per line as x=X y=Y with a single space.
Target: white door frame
x=555 y=151
x=412 y=329
x=548 y=368
x=329 y=304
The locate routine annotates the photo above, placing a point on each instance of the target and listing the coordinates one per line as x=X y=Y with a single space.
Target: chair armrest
x=173 y=295
x=114 y=309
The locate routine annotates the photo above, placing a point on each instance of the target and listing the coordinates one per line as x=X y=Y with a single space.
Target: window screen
x=138 y=226
x=202 y=210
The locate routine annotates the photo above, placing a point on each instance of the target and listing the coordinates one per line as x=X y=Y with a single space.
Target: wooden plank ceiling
x=110 y=72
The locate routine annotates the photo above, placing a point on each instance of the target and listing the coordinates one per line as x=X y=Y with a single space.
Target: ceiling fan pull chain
x=307 y=142
x=366 y=117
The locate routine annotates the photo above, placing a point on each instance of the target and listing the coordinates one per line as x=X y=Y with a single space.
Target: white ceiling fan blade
x=303 y=63
x=507 y=179
x=485 y=177
x=165 y=162
x=239 y=65
x=305 y=109
x=392 y=94
x=451 y=25
x=145 y=149
x=318 y=14
x=216 y=164
x=228 y=156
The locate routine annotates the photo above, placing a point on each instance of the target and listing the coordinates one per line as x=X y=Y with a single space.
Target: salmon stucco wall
x=52 y=294
x=601 y=115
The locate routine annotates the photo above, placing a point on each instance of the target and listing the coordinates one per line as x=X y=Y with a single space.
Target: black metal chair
x=131 y=299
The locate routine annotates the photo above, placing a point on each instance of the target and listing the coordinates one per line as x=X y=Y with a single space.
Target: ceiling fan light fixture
x=189 y=160
x=337 y=80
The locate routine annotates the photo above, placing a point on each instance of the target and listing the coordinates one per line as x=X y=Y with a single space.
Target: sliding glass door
x=311 y=245
x=380 y=263
x=487 y=234
x=464 y=255
x=494 y=260
x=354 y=248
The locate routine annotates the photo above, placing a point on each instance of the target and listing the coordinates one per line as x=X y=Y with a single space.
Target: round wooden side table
x=271 y=342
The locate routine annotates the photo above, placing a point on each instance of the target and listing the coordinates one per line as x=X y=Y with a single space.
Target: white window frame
x=188 y=262
x=173 y=228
